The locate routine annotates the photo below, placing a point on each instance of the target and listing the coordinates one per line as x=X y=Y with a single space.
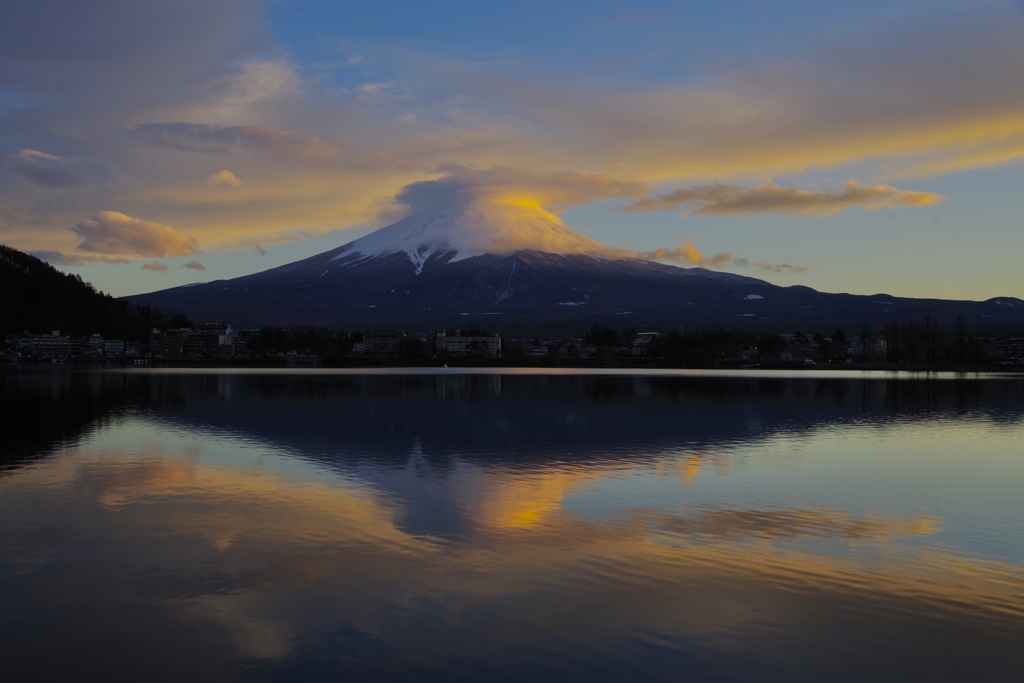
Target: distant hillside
x=36 y=297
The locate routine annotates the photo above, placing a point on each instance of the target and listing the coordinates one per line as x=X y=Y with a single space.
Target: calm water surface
x=421 y=526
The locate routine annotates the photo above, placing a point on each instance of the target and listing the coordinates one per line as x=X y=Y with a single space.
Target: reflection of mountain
x=419 y=437
x=491 y=419
x=503 y=419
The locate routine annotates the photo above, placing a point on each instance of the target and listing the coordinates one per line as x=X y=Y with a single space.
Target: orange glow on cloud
x=771 y=198
x=223 y=178
x=114 y=233
x=289 y=533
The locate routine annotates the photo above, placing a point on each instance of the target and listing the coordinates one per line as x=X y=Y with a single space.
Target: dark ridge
x=35 y=297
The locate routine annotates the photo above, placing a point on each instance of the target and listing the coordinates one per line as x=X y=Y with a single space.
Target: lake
x=511 y=525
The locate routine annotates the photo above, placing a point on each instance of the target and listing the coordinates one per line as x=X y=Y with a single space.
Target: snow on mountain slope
x=485 y=226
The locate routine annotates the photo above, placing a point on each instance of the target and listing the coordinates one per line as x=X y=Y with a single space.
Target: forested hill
x=36 y=297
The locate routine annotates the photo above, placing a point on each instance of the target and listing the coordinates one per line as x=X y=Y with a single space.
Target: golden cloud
x=733 y=200
x=223 y=178
x=112 y=232
x=56 y=258
x=686 y=253
x=154 y=266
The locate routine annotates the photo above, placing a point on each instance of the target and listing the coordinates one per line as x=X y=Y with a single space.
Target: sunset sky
x=851 y=147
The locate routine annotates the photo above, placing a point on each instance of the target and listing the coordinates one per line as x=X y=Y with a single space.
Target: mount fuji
x=513 y=267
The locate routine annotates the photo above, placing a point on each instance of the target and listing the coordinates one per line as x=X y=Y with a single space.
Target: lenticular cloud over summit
x=482 y=226
x=469 y=213
x=502 y=211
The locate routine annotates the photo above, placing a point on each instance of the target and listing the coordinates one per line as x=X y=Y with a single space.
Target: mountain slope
x=517 y=269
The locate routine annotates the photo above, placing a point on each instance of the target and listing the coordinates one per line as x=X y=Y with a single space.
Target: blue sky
x=868 y=147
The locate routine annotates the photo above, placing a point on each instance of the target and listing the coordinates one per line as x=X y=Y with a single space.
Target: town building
x=51 y=345
x=382 y=343
x=169 y=344
x=1009 y=349
x=458 y=345
x=114 y=347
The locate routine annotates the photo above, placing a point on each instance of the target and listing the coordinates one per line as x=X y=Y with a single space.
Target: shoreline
x=639 y=364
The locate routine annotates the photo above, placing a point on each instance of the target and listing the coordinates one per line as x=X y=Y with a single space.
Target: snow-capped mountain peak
x=485 y=226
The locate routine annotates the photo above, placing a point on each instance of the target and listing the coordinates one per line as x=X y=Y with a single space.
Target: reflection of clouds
x=271 y=534
x=520 y=501
x=685 y=468
x=271 y=554
x=256 y=635
x=733 y=523
x=119 y=478
x=248 y=502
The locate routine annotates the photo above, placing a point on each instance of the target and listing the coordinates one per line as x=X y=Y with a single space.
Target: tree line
x=35 y=297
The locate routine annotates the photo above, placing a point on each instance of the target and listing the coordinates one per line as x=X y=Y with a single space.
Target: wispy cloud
x=57 y=172
x=688 y=253
x=214 y=139
x=194 y=265
x=770 y=267
x=260 y=79
x=259 y=245
x=887 y=101
x=114 y=233
x=379 y=93
x=771 y=198
x=780 y=267
x=155 y=267
x=56 y=258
